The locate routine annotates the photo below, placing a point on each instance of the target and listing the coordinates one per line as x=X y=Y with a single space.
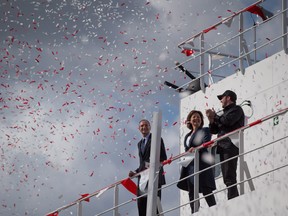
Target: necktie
x=143 y=145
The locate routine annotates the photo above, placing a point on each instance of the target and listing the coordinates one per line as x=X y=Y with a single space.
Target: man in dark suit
x=144 y=146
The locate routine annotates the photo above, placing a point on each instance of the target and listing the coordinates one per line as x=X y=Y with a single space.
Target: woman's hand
x=191 y=149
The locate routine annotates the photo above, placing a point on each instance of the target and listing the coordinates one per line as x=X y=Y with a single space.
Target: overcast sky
x=76 y=78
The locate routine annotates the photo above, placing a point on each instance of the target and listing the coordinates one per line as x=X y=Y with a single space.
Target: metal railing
x=243 y=52
x=242 y=169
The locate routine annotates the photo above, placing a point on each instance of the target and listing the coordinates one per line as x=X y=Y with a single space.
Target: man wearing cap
x=232 y=118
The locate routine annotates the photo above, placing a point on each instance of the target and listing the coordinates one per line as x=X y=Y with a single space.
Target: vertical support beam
x=154 y=164
x=248 y=176
x=202 y=85
x=79 y=209
x=284 y=26
x=241 y=161
x=116 y=200
x=255 y=43
x=241 y=38
x=210 y=59
x=196 y=181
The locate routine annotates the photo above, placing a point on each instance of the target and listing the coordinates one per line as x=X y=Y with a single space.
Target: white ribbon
x=186 y=160
x=101 y=192
x=144 y=177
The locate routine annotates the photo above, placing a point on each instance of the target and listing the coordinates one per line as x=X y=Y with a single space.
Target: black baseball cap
x=229 y=93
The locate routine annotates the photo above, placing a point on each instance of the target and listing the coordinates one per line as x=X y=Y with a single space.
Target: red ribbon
x=168 y=161
x=207 y=144
x=255 y=122
x=130 y=185
x=53 y=214
x=85 y=195
x=209 y=29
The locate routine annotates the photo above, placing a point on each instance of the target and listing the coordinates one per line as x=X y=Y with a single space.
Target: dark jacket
x=206 y=179
x=145 y=157
x=232 y=118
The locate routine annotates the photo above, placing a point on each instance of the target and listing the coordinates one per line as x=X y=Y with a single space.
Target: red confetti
x=39 y=49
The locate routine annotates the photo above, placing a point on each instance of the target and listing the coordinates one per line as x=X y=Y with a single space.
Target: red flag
x=267 y=13
x=53 y=214
x=85 y=195
x=130 y=185
x=209 y=29
x=260 y=11
x=187 y=52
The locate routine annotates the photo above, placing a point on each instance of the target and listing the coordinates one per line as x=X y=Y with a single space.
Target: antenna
x=171 y=85
x=181 y=67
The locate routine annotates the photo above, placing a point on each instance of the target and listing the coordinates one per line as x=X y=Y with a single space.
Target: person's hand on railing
x=192 y=149
x=131 y=174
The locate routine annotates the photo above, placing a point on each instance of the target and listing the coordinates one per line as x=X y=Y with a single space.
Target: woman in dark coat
x=197 y=136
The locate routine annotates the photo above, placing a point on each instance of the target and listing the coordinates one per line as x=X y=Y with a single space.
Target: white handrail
x=219 y=163
x=170 y=160
x=226 y=41
x=221 y=22
x=227 y=63
x=205 y=145
x=242 y=54
x=197 y=173
x=249 y=179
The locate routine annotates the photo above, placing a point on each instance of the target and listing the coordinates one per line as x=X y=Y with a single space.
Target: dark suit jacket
x=206 y=178
x=145 y=157
x=232 y=118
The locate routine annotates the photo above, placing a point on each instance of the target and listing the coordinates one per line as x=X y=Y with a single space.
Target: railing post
x=116 y=200
x=284 y=26
x=241 y=39
x=210 y=78
x=79 y=209
x=154 y=164
x=255 y=43
x=241 y=160
x=196 y=181
x=202 y=85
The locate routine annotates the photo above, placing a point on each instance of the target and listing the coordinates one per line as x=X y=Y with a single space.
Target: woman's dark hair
x=189 y=126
